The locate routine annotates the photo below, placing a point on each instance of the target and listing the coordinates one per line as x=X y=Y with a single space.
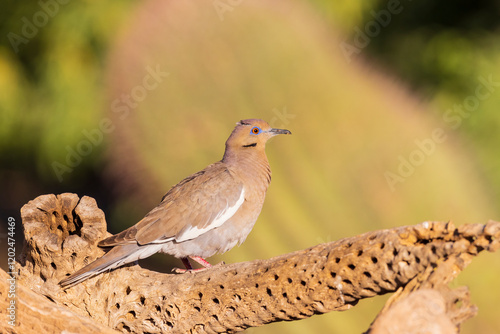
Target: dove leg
x=189 y=268
x=186 y=263
x=201 y=261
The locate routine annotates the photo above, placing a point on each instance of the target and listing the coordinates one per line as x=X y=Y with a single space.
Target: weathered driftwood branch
x=62 y=232
x=36 y=314
x=426 y=304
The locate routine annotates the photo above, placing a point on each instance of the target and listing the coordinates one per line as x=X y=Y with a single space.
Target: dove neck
x=249 y=163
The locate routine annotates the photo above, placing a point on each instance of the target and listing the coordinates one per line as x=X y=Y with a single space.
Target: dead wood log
x=62 y=232
x=36 y=314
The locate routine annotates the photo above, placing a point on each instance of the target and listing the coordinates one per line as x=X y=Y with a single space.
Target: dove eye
x=255 y=130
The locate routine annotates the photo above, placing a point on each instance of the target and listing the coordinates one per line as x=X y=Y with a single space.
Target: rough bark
x=62 y=232
x=426 y=304
x=35 y=313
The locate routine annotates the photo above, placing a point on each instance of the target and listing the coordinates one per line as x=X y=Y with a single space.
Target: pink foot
x=201 y=261
x=189 y=268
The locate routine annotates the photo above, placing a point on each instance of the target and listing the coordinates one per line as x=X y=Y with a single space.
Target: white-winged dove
x=208 y=212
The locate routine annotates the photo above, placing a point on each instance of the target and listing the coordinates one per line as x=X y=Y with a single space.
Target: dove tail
x=116 y=257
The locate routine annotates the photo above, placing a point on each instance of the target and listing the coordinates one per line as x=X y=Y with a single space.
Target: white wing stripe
x=161 y=241
x=220 y=219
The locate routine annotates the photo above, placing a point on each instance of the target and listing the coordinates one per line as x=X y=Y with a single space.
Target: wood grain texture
x=229 y=298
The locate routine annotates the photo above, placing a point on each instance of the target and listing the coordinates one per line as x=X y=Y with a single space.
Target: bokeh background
x=393 y=107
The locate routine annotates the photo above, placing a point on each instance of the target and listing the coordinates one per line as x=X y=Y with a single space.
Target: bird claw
x=184 y=271
x=220 y=264
x=192 y=271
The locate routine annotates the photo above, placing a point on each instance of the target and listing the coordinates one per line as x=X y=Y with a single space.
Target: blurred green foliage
x=350 y=123
x=51 y=85
x=442 y=50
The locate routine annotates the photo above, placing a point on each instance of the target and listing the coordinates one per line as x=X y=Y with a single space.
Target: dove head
x=251 y=135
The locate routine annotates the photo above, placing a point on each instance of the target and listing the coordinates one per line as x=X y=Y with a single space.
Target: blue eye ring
x=255 y=130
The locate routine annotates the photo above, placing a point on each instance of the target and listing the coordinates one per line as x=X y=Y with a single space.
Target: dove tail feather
x=116 y=257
